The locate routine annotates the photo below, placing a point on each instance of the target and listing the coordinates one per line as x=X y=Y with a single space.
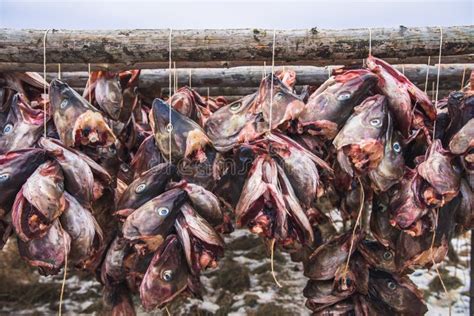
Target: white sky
x=112 y=14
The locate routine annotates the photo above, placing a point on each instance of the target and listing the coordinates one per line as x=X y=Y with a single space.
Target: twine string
x=427 y=73
x=44 y=81
x=271 y=84
x=437 y=76
x=170 y=124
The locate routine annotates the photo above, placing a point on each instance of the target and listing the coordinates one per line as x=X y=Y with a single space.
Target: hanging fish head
x=441 y=175
x=152 y=221
x=21 y=127
x=108 y=93
x=77 y=121
x=167 y=275
x=277 y=103
x=187 y=138
x=359 y=143
x=332 y=103
x=234 y=123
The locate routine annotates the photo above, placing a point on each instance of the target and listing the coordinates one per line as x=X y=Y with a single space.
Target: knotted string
x=190 y=87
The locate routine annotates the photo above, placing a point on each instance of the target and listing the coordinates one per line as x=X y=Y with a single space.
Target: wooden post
x=22 y=50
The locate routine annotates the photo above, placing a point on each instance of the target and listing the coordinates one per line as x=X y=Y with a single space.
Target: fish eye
x=391 y=285
x=279 y=96
x=63 y=103
x=387 y=255
x=163 y=211
x=140 y=188
x=112 y=150
x=167 y=275
x=344 y=96
x=235 y=106
x=7 y=129
x=396 y=147
x=381 y=208
x=376 y=122
x=4 y=176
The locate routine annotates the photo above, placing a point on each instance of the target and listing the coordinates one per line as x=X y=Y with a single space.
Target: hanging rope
x=59 y=71
x=439 y=70
x=169 y=127
x=90 y=83
x=463 y=77
x=427 y=73
x=264 y=74
x=271 y=86
x=433 y=261
x=370 y=41
x=272 y=251
x=44 y=83
x=63 y=285
x=359 y=215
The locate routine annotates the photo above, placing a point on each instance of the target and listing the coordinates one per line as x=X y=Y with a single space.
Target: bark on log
x=450 y=76
x=136 y=48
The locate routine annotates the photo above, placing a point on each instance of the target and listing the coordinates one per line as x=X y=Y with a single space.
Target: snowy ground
x=243 y=285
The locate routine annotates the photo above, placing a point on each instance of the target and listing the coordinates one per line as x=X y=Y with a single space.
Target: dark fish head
x=400 y=294
x=44 y=189
x=360 y=140
x=378 y=256
x=77 y=121
x=277 y=102
x=150 y=184
x=166 y=277
x=21 y=127
x=188 y=139
x=15 y=168
x=234 y=123
x=108 y=93
x=390 y=169
x=368 y=122
x=154 y=219
x=336 y=98
x=440 y=173
x=48 y=252
x=146 y=157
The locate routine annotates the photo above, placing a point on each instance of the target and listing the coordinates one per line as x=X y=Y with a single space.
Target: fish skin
x=16 y=167
x=22 y=126
x=166 y=277
x=331 y=104
x=48 y=252
x=77 y=121
x=148 y=185
x=188 y=140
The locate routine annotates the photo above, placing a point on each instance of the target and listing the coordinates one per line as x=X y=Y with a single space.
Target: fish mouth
x=366 y=155
x=90 y=128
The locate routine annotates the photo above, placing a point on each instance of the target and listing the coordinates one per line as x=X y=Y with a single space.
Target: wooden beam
x=22 y=50
x=450 y=76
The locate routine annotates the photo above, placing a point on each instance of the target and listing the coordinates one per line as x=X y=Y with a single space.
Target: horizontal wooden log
x=450 y=76
x=22 y=50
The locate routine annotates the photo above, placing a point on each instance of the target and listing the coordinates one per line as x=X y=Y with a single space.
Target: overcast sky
x=288 y=14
